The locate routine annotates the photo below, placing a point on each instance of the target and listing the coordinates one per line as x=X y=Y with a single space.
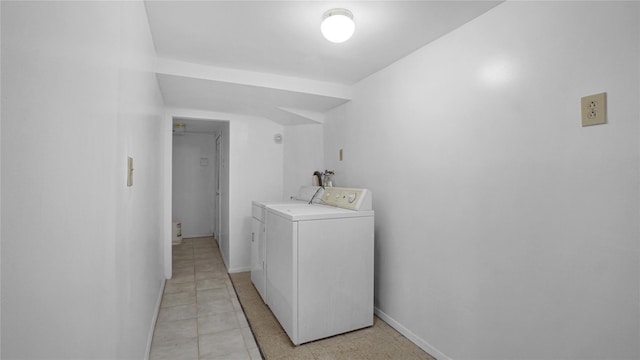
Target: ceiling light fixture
x=337 y=25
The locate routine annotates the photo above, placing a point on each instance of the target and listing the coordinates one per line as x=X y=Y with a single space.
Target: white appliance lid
x=263 y=204
x=305 y=193
x=302 y=212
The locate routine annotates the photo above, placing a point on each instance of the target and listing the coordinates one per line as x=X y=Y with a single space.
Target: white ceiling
x=269 y=59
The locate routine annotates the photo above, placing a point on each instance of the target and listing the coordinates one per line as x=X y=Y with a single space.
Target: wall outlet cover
x=594 y=109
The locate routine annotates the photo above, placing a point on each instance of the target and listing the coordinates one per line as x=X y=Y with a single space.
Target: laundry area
x=234 y=179
x=319 y=263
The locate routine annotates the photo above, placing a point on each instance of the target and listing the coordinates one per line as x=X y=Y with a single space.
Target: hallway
x=200 y=316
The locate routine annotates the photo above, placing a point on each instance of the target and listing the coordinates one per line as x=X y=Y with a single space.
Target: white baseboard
x=411 y=336
x=239 y=269
x=154 y=320
x=193 y=236
x=224 y=260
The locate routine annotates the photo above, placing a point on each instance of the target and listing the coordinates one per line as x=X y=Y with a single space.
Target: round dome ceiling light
x=337 y=25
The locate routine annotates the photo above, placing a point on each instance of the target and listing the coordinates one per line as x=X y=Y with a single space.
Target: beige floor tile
x=236 y=303
x=202 y=242
x=181 y=277
x=184 y=270
x=222 y=344
x=255 y=354
x=249 y=340
x=215 y=307
x=200 y=275
x=202 y=255
x=213 y=294
x=199 y=316
x=171 y=288
x=232 y=292
x=174 y=331
x=179 y=312
x=183 y=265
x=220 y=269
x=182 y=257
x=181 y=298
x=242 y=320
x=207 y=261
x=214 y=283
x=186 y=250
x=216 y=323
x=204 y=267
x=182 y=250
x=186 y=349
x=241 y=355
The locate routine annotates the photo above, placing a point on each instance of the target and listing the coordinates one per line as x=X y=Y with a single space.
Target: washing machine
x=258 y=232
x=319 y=258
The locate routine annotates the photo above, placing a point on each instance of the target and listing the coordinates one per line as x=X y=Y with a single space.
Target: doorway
x=199 y=176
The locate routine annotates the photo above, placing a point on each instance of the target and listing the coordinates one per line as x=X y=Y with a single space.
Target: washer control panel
x=347 y=198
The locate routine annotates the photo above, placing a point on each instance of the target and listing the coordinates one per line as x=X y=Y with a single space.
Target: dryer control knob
x=351 y=197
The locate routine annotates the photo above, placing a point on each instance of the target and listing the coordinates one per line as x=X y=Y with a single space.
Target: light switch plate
x=129 y=171
x=594 y=109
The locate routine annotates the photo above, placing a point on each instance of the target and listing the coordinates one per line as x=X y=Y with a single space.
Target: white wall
x=81 y=252
x=504 y=229
x=225 y=190
x=255 y=173
x=303 y=154
x=193 y=183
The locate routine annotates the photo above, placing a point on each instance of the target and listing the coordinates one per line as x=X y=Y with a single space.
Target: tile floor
x=200 y=316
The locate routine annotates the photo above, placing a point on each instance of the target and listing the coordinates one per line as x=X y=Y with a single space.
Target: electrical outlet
x=594 y=109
